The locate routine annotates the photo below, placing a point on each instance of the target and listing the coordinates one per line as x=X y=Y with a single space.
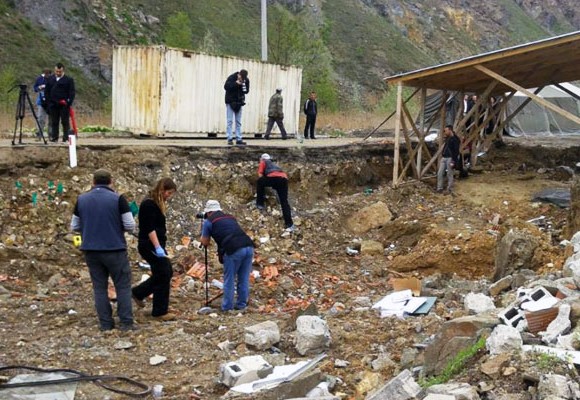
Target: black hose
x=98 y=380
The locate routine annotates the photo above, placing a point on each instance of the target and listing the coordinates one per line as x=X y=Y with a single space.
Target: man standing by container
x=60 y=93
x=237 y=86
x=310 y=110
x=101 y=215
x=449 y=157
x=276 y=114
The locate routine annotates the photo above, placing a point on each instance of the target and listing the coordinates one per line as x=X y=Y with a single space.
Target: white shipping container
x=163 y=91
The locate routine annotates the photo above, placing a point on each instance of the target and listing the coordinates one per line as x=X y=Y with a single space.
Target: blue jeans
x=230 y=114
x=237 y=267
x=115 y=264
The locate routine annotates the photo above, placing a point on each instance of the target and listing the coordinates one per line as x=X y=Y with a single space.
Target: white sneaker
x=290 y=229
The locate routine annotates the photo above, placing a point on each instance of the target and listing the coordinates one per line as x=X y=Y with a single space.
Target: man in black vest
x=236 y=250
x=60 y=94
x=101 y=215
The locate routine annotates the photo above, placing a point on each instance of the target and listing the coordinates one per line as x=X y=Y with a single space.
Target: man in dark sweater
x=448 y=158
x=60 y=94
x=310 y=110
x=101 y=215
x=237 y=86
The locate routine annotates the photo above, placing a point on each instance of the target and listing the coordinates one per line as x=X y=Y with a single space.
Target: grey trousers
x=445 y=164
x=115 y=264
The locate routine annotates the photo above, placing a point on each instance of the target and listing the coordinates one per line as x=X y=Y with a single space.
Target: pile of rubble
x=374 y=296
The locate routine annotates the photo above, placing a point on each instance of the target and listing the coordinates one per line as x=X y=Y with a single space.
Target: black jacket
x=235 y=92
x=451 y=148
x=63 y=89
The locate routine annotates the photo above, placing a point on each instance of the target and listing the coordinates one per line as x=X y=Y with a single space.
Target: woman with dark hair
x=152 y=240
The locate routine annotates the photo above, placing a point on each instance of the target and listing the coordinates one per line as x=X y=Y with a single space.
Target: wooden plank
x=421 y=128
x=390 y=116
x=534 y=97
x=397 y=134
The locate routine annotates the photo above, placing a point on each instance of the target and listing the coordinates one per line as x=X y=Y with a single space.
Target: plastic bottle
x=34 y=199
x=59 y=188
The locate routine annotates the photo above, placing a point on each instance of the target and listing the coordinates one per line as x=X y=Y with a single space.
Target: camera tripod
x=21 y=111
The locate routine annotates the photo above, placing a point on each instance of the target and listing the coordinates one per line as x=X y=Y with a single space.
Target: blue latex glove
x=159 y=252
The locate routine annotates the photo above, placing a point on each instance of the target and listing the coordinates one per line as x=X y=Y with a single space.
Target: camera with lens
x=201 y=215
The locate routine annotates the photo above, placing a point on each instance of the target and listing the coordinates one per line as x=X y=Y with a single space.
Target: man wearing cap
x=236 y=251
x=271 y=175
x=102 y=215
x=276 y=114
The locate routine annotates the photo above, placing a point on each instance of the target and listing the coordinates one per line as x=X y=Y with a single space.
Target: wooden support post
x=397 y=133
x=422 y=129
x=537 y=99
x=390 y=116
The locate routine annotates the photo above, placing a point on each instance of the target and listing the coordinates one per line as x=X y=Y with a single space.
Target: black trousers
x=280 y=185
x=279 y=122
x=158 y=284
x=309 y=127
x=59 y=113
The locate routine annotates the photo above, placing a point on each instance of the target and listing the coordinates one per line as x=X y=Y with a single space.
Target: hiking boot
x=164 y=317
x=267 y=137
x=261 y=208
x=139 y=303
x=230 y=142
x=240 y=143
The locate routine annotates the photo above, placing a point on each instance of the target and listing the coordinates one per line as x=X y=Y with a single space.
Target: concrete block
x=244 y=370
x=401 y=387
x=312 y=334
x=512 y=316
x=263 y=335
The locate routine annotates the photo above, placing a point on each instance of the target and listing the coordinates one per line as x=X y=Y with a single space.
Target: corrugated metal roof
x=534 y=64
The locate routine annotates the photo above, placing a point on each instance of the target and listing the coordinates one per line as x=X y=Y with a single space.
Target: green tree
x=178 y=32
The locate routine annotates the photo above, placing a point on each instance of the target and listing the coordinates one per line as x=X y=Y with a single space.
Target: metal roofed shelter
x=162 y=91
x=499 y=74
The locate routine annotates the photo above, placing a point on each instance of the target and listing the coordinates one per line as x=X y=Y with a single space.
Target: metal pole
x=264 y=31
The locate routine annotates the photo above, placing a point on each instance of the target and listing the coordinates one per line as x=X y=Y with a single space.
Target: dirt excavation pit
x=447 y=241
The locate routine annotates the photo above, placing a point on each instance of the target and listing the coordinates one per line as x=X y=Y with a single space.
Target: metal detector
x=206 y=309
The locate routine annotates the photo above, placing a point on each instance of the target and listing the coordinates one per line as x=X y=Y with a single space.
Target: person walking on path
x=236 y=251
x=310 y=110
x=276 y=114
x=151 y=246
x=271 y=175
x=101 y=215
x=449 y=156
x=60 y=93
x=237 y=86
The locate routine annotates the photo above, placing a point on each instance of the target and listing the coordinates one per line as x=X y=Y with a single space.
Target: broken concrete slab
x=461 y=391
x=558 y=326
x=312 y=335
x=477 y=303
x=401 y=387
x=262 y=336
x=504 y=339
x=501 y=285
